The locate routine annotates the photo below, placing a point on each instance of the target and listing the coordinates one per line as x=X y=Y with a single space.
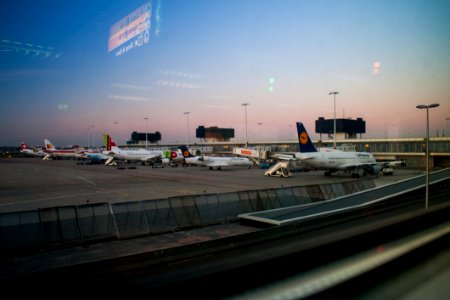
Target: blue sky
x=210 y=57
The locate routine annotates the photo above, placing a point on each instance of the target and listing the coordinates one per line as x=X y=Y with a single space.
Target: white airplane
x=95 y=155
x=215 y=161
x=75 y=152
x=332 y=160
x=142 y=155
x=32 y=151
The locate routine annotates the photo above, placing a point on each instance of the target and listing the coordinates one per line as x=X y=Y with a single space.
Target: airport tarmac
x=31 y=183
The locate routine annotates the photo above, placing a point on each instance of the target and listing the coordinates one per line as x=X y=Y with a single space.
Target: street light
x=427 y=107
x=448 y=131
x=93 y=143
x=89 y=136
x=260 y=123
x=187 y=120
x=115 y=130
x=146 y=131
x=334 y=134
x=246 y=136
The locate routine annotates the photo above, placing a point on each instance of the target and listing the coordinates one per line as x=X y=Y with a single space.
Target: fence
x=43 y=228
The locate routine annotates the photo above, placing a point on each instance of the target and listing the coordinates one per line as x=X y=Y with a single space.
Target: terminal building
x=214 y=134
x=139 y=138
x=345 y=128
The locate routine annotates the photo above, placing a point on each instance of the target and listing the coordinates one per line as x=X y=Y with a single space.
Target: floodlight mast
x=427 y=107
x=334 y=123
x=246 y=136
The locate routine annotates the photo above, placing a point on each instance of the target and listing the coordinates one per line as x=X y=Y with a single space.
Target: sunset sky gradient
x=209 y=57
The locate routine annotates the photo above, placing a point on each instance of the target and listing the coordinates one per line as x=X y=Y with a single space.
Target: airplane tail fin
x=109 y=142
x=170 y=155
x=304 y=140
x=48 y=145
x=24 y=146
x=185 y=152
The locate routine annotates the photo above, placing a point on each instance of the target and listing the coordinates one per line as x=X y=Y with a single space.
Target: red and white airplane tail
x=49 y=146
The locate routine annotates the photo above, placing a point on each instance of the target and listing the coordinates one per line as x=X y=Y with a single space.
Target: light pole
x=448 y=131
x=260 y=123
x=187 y=120
x=88 y=136
x=427 y=107
x=146 y=131
x=93 y=143
x=334 y=124
x=115 y=130
x=246 y=136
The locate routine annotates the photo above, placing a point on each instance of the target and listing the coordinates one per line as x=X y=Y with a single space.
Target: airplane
x=332 y=160
x=215 y=161
x=34 y=151
x=142 y=155
x=94 y=156
x=75 y=152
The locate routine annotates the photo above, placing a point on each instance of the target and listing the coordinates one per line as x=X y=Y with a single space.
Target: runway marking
x=88 y=181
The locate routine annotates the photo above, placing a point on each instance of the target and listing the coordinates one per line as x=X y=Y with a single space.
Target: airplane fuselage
x=217 y=161
x=335 y=160
x=139 y=155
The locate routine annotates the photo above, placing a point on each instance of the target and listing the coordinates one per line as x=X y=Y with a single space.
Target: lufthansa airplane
x=214 y=161
x=356 y=163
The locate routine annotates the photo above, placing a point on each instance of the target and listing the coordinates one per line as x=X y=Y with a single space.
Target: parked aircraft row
x=330 y=160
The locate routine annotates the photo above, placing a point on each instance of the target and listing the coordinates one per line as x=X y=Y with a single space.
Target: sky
x=60 y=79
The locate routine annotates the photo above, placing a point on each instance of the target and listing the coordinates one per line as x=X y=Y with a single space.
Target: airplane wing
x=284 y=156
x=354 y=165
x=380 y=164
x=395 y=163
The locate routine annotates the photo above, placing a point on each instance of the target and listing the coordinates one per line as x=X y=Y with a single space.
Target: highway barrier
x=67 y=225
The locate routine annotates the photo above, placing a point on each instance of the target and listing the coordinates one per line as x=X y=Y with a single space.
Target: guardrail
x=65 y=225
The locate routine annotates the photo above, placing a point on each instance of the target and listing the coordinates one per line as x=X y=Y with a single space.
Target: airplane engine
x=165 y=160
x=374 y=170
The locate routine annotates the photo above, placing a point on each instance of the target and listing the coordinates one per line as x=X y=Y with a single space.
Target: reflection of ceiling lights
x=178 y=74
x=177 y=84
x=28 y=49
x=129 y=86
x=129 y=98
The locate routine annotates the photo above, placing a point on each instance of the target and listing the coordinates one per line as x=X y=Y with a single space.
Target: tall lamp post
x=246 y=136
x=146 y=131
x=260 y=123
x=93 y=143
x=427 y=107
x=115 y=130
x=334 y=124
x=448 y=131
x=89 y=136
x=187 y=120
